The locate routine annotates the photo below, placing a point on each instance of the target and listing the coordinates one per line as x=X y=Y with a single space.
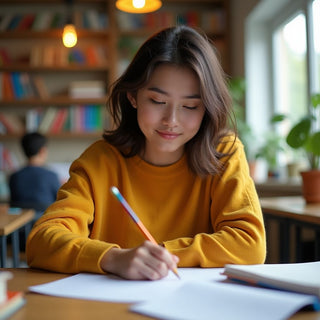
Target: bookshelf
x=36 y=70
x=34 y=52
x=212 y=16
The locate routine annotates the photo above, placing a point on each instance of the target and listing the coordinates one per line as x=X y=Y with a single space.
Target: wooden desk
x=10 y=225
x=292 y=213
x=39 y=307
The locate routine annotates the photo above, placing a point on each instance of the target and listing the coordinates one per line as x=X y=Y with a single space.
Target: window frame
x=260 y=25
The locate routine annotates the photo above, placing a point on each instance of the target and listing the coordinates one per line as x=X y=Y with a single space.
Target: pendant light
x=69 y=35
x=138 y=6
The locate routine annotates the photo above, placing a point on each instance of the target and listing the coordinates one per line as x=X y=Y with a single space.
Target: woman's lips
x=168 y=135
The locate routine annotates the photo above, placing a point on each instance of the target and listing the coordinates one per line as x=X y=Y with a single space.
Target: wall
x=239 y=10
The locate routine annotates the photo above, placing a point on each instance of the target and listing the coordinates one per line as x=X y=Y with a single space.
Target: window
x=316 y=40
x=290 y=67
x=282 y=62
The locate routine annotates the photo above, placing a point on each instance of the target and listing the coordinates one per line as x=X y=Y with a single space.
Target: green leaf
x=315 y=143
x=315 y=100
x=299 y=134
x=278 y=118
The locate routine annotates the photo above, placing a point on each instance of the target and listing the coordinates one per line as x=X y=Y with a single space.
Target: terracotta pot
x=311 y=185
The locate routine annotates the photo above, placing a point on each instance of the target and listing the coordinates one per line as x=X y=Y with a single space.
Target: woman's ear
x=132 y=99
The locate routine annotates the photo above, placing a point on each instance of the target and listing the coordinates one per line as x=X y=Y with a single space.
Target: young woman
x=177 y=164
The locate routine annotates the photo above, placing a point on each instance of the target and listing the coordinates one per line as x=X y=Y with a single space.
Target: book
x=17 y=86
x=47 y=120
x=12 y=123
x=59 y=121
x=298 y=277
x=6 y=20
x=87 y=89
x=14 y=22
x=26 y=22
x=15 y=300
x=7 y=86
x=4 y=57
x=40 y=87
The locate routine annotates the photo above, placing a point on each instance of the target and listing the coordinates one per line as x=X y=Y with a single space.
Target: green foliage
x=306 y=135
x=237 y=89
x=273 y=144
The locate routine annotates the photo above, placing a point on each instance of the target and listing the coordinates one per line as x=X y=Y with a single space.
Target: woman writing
x=177 y=164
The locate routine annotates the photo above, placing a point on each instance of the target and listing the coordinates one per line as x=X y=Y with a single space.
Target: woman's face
x=169 y=111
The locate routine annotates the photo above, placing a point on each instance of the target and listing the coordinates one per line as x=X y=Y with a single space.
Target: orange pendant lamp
x=138 y=6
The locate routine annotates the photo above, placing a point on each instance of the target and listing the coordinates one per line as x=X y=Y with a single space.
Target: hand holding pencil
x=135 y=218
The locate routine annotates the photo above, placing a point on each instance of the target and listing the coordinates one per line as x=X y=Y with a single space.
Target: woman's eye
x=157 y=102
x=190 y=108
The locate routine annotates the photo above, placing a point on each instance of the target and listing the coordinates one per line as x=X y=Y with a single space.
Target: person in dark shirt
x=34 y=186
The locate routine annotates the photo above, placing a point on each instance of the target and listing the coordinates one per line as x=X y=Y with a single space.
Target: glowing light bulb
x=69 y=36
x=138 y=6
x=138 y=3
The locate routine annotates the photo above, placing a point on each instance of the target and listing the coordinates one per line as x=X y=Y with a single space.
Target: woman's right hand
x=146 y=262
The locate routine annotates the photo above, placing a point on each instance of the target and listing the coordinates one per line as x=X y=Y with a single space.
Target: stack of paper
x=200 y=294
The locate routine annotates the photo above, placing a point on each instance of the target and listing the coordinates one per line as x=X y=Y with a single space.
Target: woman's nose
x=170 y=116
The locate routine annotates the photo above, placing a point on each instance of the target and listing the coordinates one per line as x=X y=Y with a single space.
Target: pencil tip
x=175 y=271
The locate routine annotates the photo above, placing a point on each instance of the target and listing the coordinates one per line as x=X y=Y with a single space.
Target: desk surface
x=12 y=222
x=39 y=307
x=292 y=207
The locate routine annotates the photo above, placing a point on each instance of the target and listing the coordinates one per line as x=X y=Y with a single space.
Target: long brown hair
x=182 y=46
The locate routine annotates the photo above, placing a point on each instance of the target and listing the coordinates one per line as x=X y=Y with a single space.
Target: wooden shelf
x=63 y=135
x=23 y=67
x=57 y=101
x=31 y=34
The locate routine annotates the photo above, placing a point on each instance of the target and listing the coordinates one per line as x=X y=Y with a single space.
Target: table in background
x=10 y=224
x=39 y=307
x=292 y=212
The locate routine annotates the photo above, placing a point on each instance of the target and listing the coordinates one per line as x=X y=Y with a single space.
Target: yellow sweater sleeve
x=62 y=239
x=238 y=229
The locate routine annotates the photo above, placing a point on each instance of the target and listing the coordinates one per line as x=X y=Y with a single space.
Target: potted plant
x=305 y=135
x=272 y=146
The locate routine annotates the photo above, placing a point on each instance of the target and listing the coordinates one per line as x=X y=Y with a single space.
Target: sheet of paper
x=111 y=288
x=214 y=300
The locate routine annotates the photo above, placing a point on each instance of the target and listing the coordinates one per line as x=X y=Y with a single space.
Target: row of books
x=20 y=85
x=89 y=19
x=75 y=119
x=60 y=56
x=210 y=20
x=50 y=55
x=52 y=120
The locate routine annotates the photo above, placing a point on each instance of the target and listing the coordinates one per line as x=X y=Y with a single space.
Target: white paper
x=200 y=294
x=203 y=301
x=111 y=288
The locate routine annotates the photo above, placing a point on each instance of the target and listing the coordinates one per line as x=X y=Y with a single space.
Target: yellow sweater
x=205 y=222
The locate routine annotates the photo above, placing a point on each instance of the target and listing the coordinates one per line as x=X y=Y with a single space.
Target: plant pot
x=311 y=185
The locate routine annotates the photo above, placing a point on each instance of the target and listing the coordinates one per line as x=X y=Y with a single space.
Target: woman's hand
x=146 y=262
